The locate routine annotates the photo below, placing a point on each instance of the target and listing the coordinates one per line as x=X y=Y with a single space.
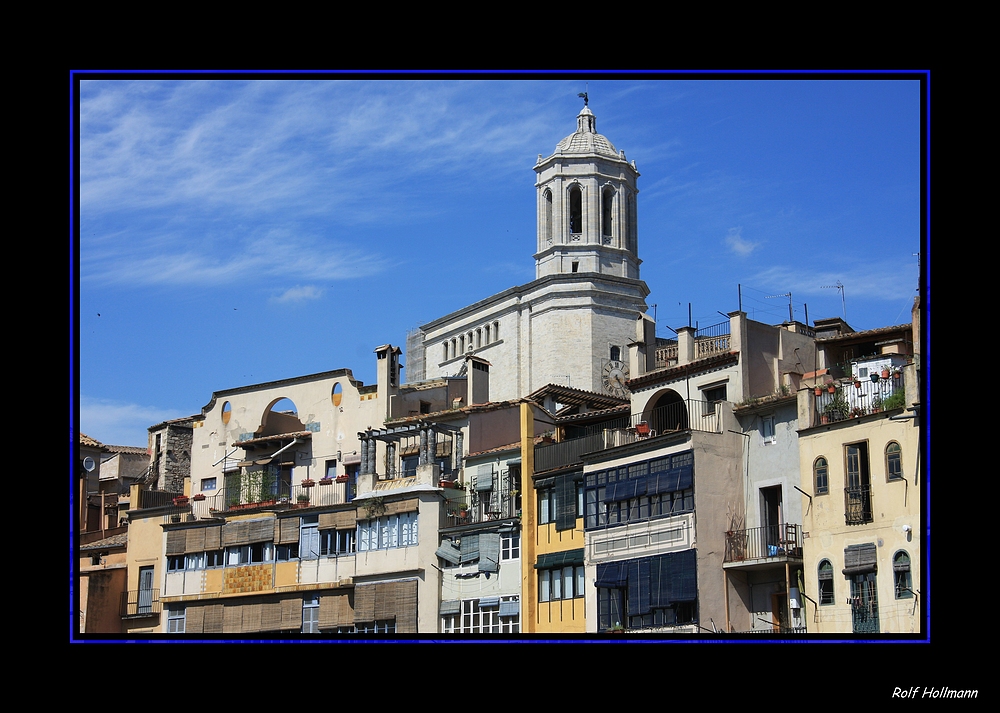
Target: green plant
x=303 y=497
x=837 y=405
x=897 y=400
x=784 y=390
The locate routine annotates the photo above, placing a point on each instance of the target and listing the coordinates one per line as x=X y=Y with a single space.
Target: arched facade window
x=607 y=201
x=446 y=351
x=575 y=210
x=893 y=461
x=901 y=575
x=479 y=338
x=821 y=476
x=487 y=330
x=496 y=330
x=461 y=343
x=547 y=217
x=825 y=574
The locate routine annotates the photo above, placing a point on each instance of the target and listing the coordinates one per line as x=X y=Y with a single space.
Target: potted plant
x=818 y=390
x=836 y=409
x=326 y=481
x=343 y=478
x=874 y=377
x=181 y=500
x=307 y=483
x=199 y=497
x=877 y=403
x=857 y=383
x=831 y=387
x=896 y=373
x=302 y=500
x=885 y=371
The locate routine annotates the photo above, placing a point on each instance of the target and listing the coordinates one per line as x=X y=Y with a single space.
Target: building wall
x=146 y=547
x=100 y=597
x=894 y=505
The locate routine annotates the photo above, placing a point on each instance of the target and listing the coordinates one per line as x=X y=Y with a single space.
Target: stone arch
x=280 y=416
x=665 y=411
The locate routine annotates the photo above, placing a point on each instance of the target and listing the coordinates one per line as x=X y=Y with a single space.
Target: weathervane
x=583 y=95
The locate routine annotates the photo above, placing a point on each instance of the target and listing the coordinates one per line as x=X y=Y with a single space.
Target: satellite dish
x=89 y=464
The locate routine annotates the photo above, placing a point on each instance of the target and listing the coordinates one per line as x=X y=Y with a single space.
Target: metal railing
x=781 y=630
x=784 y=540
x=281 y=495
x=681 y=416
x=858 y=505
x=853 y=399
x=140 y=602
x=155 y=499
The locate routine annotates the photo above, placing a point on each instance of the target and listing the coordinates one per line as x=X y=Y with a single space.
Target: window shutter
x=335 y=610
x=176 y=539
x=612 y=575
x=235 y=533
x=489 y=602
x=484 y=477
x=195 y=620
x=291 y=613
x=213 y=537
x=470 y=548
x=448 y=552
x=551 y=560
x=213 y=619
x=385 y=601
x=489 y=552
x=860 y=559
x=260 y=530
x=406 y=607
x=252 y=617
x=232 y=618
x=364 y=603
x=510 y=608
x=270 y=615
x=195 y=541
x=638 y=586
x=286 y=530
x=451 y=606
x=684 y=576
x=565 y=503
x=401 y=506
x=342 y=520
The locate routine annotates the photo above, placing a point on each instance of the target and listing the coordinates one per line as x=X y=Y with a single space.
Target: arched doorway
x=668 y=412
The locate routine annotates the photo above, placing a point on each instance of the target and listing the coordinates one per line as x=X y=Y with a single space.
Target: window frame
x=893 y=462
x=819 y=489
x=554 y=583
x=176 y=619
x=902 y=579
x=826 y=593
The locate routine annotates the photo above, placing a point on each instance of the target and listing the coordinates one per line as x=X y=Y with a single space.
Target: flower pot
x=181 y=501
x=326 y=481
x=307 y=483
x=874 y=377
x=885 y=373
x=823 y=418
x=199 y=497
x=818 y=390
x=342 y=478
x=857 y=384
x=831 y=388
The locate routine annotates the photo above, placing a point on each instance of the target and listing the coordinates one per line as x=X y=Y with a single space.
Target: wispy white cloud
x=119 y=423
x=738 y=244
x=299 y=293
x=861 y=280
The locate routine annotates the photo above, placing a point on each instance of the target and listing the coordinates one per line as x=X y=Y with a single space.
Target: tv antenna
x=789 y=296
x=838 y=286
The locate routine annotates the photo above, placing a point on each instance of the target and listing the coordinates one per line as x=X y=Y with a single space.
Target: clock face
x=614 y=378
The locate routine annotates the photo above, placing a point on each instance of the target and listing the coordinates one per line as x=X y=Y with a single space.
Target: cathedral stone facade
x=573 y=323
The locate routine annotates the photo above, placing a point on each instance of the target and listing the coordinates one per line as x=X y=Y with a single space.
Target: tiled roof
x=571 y=396
x=120 y=540
x=674 y=372
x=130 y=450
x=850 y=336
x=620 y=409
x=86 y=440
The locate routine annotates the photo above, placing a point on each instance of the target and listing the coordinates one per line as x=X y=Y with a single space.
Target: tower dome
x=586 y=139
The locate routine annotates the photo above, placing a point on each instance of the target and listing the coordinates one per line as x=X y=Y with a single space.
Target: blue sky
x=237 y=231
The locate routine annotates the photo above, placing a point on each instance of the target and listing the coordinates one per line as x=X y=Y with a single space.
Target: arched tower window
x=575 y=210
x=630 y=223
x=616 y=353
x=607 y=200
x=547 y=217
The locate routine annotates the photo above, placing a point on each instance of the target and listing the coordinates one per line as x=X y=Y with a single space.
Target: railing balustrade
x=784 y=540
x=140 y=602
x=858 y=505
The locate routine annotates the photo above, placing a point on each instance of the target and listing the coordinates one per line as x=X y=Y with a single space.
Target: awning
x=559 y=559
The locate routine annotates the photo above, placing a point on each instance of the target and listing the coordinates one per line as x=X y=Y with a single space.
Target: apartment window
x=767 y=429
x=284 y=553
x=661 y=487
x=383 y=626
x=561 y=583
x=336 y=542
x=175 y=563
x=175 y=619
x=893 y=462
x=858 y=493
x=489 y=615
x=821 y=476
x=825 y=575
x=310 y=615
x=510 y=546
x=331 y=468
x=387 y=532
x=309 y=537
x=208 y=483
x=658 y=591
x=565 y=490
x=901 y=575
x=714 y=393
x=255 y=553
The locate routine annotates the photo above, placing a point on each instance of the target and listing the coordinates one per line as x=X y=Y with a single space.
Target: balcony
x=708 y=341
x=473 y=506
x=853 y=399
x=241 y=495
x=858 y=505
x=681 y=416
x=138 y=603
x=760 y=545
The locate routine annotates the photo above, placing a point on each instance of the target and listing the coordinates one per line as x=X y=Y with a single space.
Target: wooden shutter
x=270 y=615
x=195 y=541
x=213 y=537
x=406 y=607
x=176 y=539
x=213 y=619
x=252 y=617
x=364 y=603
x=341 y=520
x=335 y=610
x=194 y=620
x=232 y=618
x=291 y=613
x=286 y=530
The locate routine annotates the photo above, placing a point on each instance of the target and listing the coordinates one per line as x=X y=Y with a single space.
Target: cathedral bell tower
x=586 y=206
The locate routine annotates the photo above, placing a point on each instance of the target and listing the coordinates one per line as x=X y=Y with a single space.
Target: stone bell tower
x=586 y=206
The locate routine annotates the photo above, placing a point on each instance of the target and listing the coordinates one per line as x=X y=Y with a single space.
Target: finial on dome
x=584 y=96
